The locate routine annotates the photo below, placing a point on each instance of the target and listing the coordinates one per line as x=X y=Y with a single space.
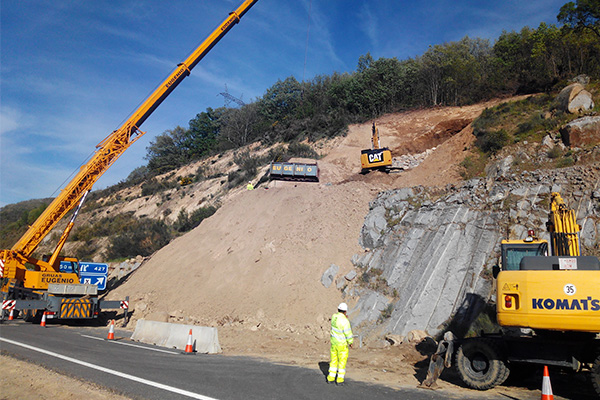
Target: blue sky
x=72 y=71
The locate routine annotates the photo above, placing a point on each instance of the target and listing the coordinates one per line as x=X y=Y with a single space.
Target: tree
x=238 y=125
x=581 y=15
x=203 y=132
x=167 y=151
x=281 y=99
x=364 y=62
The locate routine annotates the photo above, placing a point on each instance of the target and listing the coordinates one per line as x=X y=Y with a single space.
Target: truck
x=36 y=286
x=376 y=157
x=294 y=171
x=548 y=307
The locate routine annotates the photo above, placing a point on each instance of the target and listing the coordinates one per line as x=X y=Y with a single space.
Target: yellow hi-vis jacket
x=341 y=332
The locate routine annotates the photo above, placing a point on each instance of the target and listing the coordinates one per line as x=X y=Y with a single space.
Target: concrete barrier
x=205 y=339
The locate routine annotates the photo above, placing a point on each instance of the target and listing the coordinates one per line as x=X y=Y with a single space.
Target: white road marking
x=112 y=372
x=132 y=345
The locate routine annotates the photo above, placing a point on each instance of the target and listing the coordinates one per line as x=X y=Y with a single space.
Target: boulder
x=395 y=340
x=416 y=335
x=574 y=99
x=500 y=168
x=329 y=275
x=350 y=275
x=581 y=132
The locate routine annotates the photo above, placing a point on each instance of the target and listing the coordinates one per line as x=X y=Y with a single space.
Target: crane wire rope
x=307 y=37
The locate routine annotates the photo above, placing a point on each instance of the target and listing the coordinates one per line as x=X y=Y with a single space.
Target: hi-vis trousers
x=337 y=365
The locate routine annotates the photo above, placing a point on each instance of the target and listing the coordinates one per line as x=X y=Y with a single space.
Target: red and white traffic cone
x=546 y=386
x=111 y=331
x=43 y=323
x=11 y=315
x=189 y=347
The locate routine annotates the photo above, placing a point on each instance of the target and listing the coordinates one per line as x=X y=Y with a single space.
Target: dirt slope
x=260 y=258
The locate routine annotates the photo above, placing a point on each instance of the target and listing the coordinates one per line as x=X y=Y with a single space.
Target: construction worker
x=341 y=339
x=250 y=186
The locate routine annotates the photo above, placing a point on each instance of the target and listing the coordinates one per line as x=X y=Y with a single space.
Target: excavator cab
x=513 y=251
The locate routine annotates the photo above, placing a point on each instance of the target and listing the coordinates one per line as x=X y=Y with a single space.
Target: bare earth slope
x=261 y=256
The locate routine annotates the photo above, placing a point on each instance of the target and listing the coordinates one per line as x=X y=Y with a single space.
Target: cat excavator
x=376 y=157
x=547 y=305
x=37 y=286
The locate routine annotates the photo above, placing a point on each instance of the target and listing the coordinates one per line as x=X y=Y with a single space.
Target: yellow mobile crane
x=556 y=298
x=33 y=285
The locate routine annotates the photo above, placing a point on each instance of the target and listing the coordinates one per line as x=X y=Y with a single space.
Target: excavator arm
x=563 y=227
x=108 y=151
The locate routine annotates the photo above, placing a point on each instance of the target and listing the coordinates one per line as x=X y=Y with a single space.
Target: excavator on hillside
x=38 y=286
x=551 y=302
x=376 y=157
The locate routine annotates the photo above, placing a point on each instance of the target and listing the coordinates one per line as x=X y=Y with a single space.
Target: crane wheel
x=34 y=316
x=595 y=376
x=480 y=364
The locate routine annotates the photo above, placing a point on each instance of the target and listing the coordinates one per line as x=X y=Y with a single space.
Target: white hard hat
x=343 y=307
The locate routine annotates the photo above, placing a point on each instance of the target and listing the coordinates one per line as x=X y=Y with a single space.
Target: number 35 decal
x=570 y=289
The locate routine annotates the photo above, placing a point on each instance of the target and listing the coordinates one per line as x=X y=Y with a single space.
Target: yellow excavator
x=36 y=286
x=376 y=157
x=552 y=302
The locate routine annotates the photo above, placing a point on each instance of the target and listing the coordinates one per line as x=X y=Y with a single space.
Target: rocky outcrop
x=581 y=132
x=428 y=258
x=575 y=99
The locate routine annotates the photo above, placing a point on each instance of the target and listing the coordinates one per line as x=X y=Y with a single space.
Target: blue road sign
x=99 y=281
x=93 y=268
x=89 y=273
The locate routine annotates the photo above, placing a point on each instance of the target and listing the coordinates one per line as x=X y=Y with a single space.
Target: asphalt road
x=143 y=371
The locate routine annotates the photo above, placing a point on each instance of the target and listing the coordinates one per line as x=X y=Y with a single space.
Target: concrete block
x=205 y=339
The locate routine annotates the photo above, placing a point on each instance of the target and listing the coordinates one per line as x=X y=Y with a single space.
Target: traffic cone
x=546 y=386
x=43 y=323
x=189 y=347
x=11 y=315
x=111 y=331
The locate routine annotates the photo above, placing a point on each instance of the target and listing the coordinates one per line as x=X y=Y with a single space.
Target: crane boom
x=107 y=153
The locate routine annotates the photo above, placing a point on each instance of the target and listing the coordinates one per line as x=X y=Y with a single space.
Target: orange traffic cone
x=111 y=331
x=43 y=323
x=11 y=315
x=546 y=386
x=189 y=347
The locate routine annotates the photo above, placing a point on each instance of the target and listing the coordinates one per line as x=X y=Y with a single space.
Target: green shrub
x=154 y=186
x=86 y=251
x=554 y=152
x=473 y=165
x=492 y=141
x=187 y=222
x=565 y=162
x=301 y=150
x=143 y=237
x=386 y=313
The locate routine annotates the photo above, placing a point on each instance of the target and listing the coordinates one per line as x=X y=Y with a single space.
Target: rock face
x=435 y=254
x=581 y=132
x=575 y=99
